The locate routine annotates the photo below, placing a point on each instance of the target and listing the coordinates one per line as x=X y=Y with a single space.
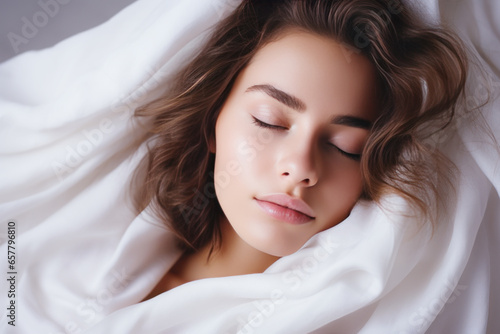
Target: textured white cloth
x=84 y=260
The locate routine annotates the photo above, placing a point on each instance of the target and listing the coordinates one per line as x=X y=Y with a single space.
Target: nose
x=297 y=165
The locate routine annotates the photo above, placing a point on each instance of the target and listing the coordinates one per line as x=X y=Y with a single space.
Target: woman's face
x=288 y=141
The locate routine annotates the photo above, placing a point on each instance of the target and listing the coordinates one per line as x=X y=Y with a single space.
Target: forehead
x=322 y=73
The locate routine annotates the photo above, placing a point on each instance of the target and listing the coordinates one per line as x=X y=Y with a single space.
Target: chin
x=278 y=249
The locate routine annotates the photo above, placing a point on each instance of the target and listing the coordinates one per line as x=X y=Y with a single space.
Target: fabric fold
x=69 y=146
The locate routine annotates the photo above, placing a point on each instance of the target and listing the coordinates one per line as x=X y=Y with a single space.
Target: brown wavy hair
x=421 y=72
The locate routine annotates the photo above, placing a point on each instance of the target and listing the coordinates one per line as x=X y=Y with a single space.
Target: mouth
x=286 y=208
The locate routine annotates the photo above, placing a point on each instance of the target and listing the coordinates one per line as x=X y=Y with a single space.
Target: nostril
x=307 y=180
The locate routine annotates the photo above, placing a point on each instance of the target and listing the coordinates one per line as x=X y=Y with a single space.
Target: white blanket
x=83 y=260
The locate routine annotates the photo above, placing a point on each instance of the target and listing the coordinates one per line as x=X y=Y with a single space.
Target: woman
x=293 y=175
x=292 y=112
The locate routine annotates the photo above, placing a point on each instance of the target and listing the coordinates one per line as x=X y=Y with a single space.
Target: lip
x=286 y=208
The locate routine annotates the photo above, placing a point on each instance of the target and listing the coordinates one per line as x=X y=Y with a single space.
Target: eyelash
x=355 y=157
x=258 y=122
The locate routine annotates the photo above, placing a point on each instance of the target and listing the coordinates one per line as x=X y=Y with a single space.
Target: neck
x=235 y=257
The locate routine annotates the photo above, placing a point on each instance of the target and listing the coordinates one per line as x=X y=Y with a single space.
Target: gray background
x=56 y=23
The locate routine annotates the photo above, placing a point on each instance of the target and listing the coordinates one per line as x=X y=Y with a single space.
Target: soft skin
x=297 y=154
x=298 y=151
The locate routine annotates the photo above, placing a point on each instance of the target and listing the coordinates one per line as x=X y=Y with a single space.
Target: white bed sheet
x=85 y=260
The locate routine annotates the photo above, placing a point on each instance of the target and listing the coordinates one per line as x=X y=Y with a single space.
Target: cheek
x=228 y=163
x=242 y=149
x=350 y=185
x=339 y=193
x=239 y=158
x=353 y=182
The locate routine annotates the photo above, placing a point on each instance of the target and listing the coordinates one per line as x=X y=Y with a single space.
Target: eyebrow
x=296 y=104
x=279 y=95
x=352 y=121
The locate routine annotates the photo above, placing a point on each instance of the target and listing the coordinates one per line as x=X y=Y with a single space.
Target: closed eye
x=259 y=123
x=355 y=157
x=262 y=124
